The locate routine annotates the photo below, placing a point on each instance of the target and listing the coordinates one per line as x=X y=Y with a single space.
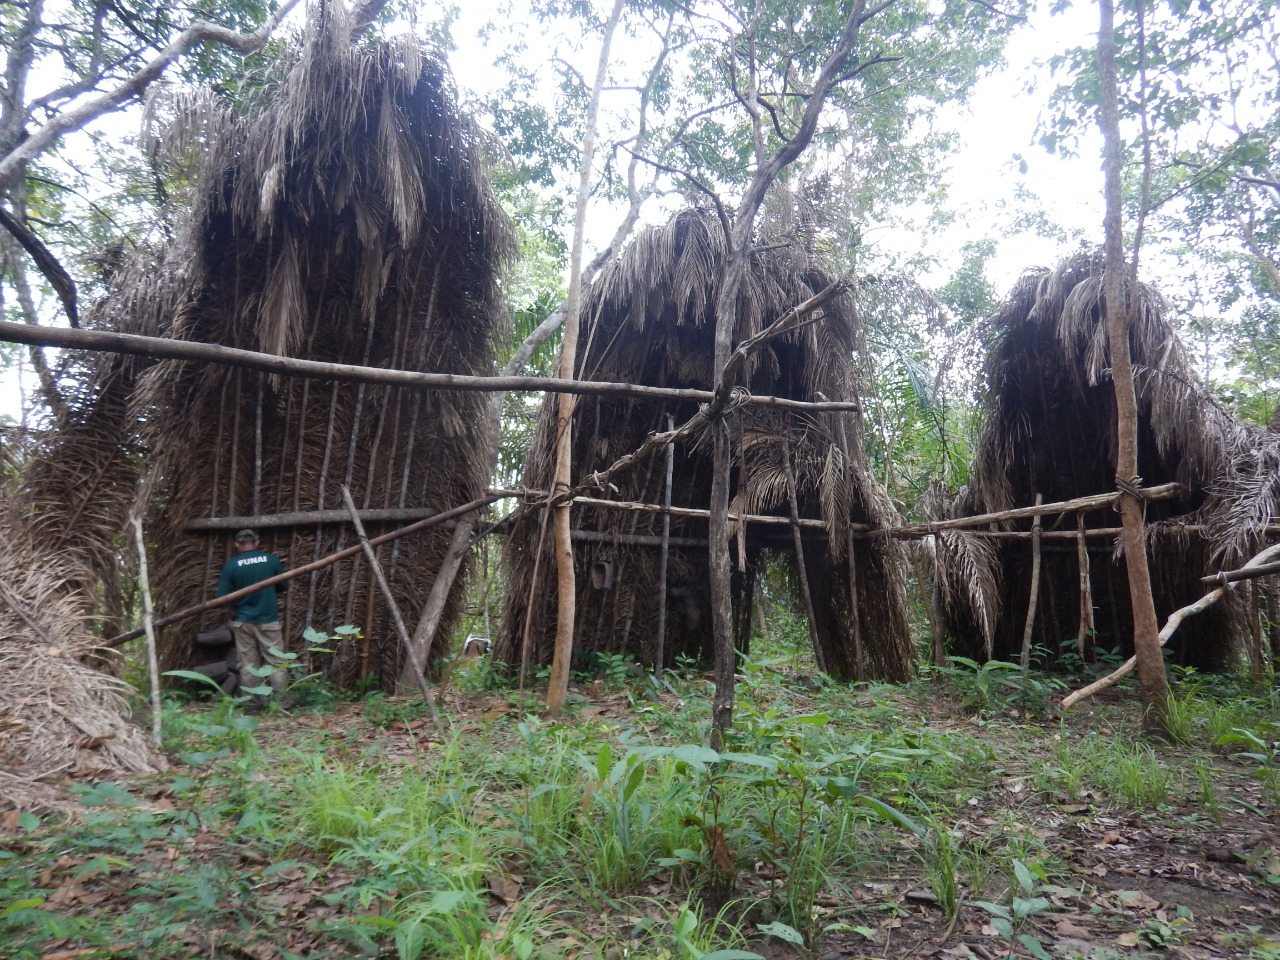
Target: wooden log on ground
x=1170 y=627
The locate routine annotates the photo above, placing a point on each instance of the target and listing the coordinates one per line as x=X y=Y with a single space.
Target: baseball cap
x=246 y=536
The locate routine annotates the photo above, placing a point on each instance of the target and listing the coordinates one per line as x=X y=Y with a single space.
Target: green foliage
x=995 y=686
x=1025 y=903
x=1212 y=126
x=1263 y=750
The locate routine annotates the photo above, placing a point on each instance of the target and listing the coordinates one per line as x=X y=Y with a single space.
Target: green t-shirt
x=244 y=570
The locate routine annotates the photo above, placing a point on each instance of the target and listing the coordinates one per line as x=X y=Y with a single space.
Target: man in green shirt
x=255 y=619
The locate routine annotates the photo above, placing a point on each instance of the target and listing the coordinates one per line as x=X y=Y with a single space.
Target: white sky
x=984 y=176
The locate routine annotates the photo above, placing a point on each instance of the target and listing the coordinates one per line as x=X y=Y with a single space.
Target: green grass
x=405 y=852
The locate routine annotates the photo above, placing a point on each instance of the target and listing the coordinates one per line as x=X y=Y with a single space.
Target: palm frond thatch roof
x=343 y=215
x=648 y=318
x=1049 y=428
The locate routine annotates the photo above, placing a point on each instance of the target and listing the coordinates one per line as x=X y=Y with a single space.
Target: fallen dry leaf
x=506 y=889
x=1137 y=899
x=1069 y=928
x=1127 y=940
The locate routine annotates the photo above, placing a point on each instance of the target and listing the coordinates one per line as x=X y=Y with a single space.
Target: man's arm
x=224 y=581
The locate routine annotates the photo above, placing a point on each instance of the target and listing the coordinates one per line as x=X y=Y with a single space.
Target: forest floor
x=950 y=818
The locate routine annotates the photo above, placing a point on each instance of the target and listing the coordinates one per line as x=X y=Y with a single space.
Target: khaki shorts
x=253 y=646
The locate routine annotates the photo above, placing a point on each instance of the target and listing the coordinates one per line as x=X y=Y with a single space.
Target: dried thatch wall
x=1050 y=429
x=346 y=218
x=59 y=714
x=648 y=319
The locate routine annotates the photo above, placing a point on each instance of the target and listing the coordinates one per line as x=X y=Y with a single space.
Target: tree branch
x=75 y=117
x=46 y=263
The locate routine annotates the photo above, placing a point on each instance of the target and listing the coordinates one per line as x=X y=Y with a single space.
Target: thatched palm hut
x=59 y=715
x=346 y=218
x=1050 y=429
x=648 y=318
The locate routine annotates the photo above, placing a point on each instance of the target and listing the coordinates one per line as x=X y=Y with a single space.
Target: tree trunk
x=566 y=586
x=1121 y=308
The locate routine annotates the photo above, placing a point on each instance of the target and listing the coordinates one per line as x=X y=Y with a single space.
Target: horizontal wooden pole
x=1096 y=532
x=296 y=572
x=166 y=349
x=306 y=518
x=700 y=514
x=1164 y=491
x=1244 y=573
x=636 y=539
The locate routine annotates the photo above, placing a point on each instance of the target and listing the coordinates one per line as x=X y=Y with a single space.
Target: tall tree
x=558 y=685
x=1120 y=293
x=1199 y=88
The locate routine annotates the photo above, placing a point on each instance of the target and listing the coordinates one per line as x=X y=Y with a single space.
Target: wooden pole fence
x=164 y=348
x=296 y=572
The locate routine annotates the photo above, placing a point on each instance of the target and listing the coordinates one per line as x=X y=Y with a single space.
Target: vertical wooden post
x=257 y=446
x=1256 y=654
x=1035 y=588
x=855 y=615
x=376 y=569
x=527 y=632
x=148 y=625
x=1086 y=588
x=801 y=572
x=658 y=662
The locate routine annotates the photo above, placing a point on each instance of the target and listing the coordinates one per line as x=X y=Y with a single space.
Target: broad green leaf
x=751 y=760
x=696 y=754
x=1034 y=947
x=604 y=759
x=192 y=675
x=995 y=909
x=894 y=816
x=411 y=937
x=1025 y=907
x=1025 y=880
x=782 y=931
